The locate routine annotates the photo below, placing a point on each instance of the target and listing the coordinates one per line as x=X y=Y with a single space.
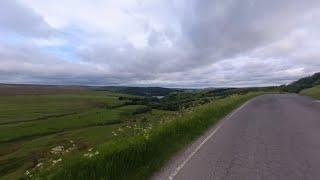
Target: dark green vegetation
x=304 y=83
x=138 y=156
x=51 y=130
x=312 y=92
x=179 y=100
x=141 y=91
x=308 y=86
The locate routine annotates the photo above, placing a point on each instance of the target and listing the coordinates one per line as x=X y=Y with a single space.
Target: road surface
x=270 y=137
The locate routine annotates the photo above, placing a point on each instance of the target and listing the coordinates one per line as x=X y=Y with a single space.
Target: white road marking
x=177 y=170
x=317 y=101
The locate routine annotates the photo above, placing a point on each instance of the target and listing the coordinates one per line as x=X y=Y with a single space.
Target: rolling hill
x=141 y=91
x=304 y=83
x=312 y=92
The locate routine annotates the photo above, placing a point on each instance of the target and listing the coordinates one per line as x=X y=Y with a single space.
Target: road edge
x=171 y=168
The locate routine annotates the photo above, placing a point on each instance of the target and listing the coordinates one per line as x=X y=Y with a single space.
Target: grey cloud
x=226 y=28
x=218 y=43
x=211 y=31
x=27 y=64
x=16 y=17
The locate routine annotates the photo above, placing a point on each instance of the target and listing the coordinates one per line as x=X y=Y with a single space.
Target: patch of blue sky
x=64 y=52
x=11 y=38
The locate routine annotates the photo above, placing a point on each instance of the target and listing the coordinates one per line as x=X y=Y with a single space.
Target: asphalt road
x=271 y=137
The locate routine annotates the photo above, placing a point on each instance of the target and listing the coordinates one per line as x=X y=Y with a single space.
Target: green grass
x=30 y=125
x=137 y=157
x=39 y=147
x=17 y=131
x=45 y=105
x=312 y=92
x=33 y=107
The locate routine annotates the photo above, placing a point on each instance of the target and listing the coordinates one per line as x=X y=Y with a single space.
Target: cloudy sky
x=171 y=43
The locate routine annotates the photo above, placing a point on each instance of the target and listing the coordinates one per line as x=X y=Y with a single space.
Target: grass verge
x=139 y=156
x=312 y=92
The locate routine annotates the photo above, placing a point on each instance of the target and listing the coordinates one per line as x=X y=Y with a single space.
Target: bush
x=141 y=110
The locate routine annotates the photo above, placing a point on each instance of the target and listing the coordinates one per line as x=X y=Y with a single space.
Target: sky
x=169 y=43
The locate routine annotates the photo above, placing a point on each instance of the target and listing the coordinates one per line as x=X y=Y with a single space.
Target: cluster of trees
x=185 y=99
x=141 y=110
x=304 y=83
x=140 y=91
x=148 y=91
x=173 y=102
x=223 y=92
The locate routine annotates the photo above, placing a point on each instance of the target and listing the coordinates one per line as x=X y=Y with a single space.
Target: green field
x=31 y=125
x=37 y=107
x=137 y=157
x=312 y=92
x=103 y=134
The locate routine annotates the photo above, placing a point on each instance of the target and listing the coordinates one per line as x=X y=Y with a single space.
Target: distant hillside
x=223 y=92
x=141 y=91
x=304 y=83
x=29 y=89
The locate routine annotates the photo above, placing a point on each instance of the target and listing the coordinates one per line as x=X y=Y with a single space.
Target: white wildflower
x=27 y=173
x=114 y=133
x=39 y=165
x=56 y=161
x=57 y=149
